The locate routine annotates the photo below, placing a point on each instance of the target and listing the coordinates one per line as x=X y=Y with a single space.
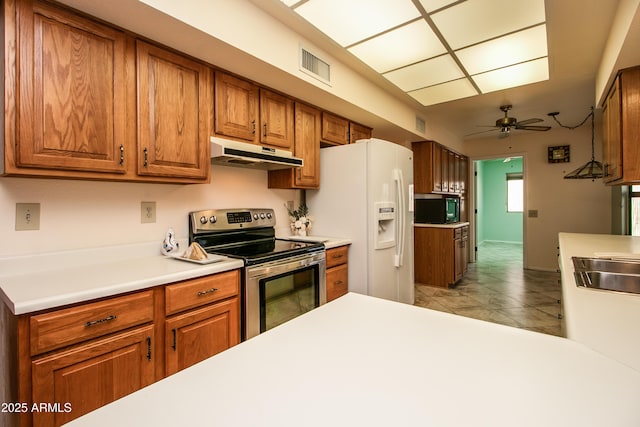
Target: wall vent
x=314 y=66
x=421 y=126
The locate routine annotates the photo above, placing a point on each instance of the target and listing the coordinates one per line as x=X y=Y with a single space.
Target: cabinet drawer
x=337 y=282
x=204 y=290
x=457 y=233
x=76 y=324
x=337 y=256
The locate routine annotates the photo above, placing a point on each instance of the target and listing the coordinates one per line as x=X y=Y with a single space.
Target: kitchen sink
x=608 y=274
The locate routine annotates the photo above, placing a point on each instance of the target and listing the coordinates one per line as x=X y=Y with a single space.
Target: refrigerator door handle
x=400 y=204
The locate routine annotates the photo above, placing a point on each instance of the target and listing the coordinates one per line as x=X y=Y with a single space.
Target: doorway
x=499 y=188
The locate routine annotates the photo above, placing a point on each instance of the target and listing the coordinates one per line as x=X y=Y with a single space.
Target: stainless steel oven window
x=282 y=283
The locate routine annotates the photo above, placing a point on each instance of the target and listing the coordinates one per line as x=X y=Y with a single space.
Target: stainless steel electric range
x=282 y=279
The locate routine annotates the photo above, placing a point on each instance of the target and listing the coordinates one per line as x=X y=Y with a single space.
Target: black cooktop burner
x=266 y=251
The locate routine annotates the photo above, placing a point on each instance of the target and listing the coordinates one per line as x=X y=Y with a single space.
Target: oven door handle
x=284 y=266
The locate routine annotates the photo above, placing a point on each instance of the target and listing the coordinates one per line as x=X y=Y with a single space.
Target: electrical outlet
x=532 y=213
x=27 y=216
x=147 y=212
x=290 y=205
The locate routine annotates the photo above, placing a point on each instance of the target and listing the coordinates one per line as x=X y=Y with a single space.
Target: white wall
x=570 y=205
x=79 y=214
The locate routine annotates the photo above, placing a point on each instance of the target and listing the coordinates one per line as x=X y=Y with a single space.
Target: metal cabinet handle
x=148 y=348
x=175 y=343
x=208 y=291
x=265 y=129
x=338 y=282
x=121 y=155
x=337 y=256
x=146 y=157
x=97 y=322
x=253 y=127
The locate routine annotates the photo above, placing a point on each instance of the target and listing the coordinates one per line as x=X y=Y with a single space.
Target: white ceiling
x=577 y=31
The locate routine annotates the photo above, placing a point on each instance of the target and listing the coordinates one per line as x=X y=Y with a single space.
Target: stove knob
x=255 y=216
x=213 y=219
x=269 y=215
x=203 y=220
x=262 y=215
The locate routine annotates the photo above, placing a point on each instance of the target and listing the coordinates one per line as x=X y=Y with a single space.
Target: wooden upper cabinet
x=306 y=147
x=276 y=120
x=71 y=97
x=358 y=132
x=246 y=112
x=335 y=130
x=174 y=112
x=236 y=108
x=437 y=169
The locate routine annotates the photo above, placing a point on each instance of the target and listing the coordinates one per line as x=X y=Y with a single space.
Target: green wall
x=494 y=222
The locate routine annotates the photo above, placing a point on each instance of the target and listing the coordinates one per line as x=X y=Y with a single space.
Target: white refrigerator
x=366 y=195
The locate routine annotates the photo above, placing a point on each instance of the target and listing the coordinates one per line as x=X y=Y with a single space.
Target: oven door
x=279 y=291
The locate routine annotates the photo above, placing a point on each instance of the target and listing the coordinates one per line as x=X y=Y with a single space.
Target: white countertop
x=365 y=361
x=453 y=225
x=43 y=281
x=606 y=321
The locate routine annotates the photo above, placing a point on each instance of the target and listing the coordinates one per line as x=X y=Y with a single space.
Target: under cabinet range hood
x=242 y=154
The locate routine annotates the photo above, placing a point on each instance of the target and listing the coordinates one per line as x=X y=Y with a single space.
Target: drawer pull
x=208 y=291
x=97 y=322
x=338 y=282
x=338 y=256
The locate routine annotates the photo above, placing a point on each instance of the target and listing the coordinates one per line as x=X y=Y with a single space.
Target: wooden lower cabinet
x=84 y=378
x=199 y=334
x=440 y=255
x=70 y=361
x=337 y=272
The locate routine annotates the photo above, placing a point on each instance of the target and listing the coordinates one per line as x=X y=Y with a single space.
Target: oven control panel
x=230 y=219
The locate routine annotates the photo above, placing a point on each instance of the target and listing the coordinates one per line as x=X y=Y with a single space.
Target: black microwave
x=437 y=211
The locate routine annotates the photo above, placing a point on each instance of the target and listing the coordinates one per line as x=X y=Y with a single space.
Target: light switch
x=532 y=213
x=27 y=216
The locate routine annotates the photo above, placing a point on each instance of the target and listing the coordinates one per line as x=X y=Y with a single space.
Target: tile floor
x=497 y=289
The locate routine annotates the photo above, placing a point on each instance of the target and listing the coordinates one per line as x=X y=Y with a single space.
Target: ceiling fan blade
x=528 y=122
x=536 y=128
x=482 y=131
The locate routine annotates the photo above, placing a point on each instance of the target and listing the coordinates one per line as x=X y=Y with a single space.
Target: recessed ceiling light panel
x=426 y=73
x=515 y=75
x=475 y=21
x=508 y=50
x=449 y=91
x=348 y=22
x=403 y=46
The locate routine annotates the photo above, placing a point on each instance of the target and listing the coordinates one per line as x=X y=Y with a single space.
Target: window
x=515 y=192
x=634 y=195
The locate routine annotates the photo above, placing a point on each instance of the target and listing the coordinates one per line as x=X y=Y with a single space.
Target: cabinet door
x=174 y=98
x=276 y=120
x=335 y=130
x=358 y=132
x=91 y=375
x=436 y=165
x=71 y=92
x=236 y=108
x=612 y=139
x=307 y=146
x=444 y=162
x=337 y=281
x=199 y=334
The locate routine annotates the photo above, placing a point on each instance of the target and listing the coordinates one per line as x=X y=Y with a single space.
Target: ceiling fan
x=506 y=124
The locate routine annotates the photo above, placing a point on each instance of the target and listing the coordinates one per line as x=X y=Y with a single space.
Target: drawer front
x=465 y=231
x=457 y=234
x=337 y=282
x=337 y=256
x=61 y=328
x=201 y=291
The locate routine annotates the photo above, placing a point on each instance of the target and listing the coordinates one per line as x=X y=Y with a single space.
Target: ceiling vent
x=421 y=126
x=314 y=66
